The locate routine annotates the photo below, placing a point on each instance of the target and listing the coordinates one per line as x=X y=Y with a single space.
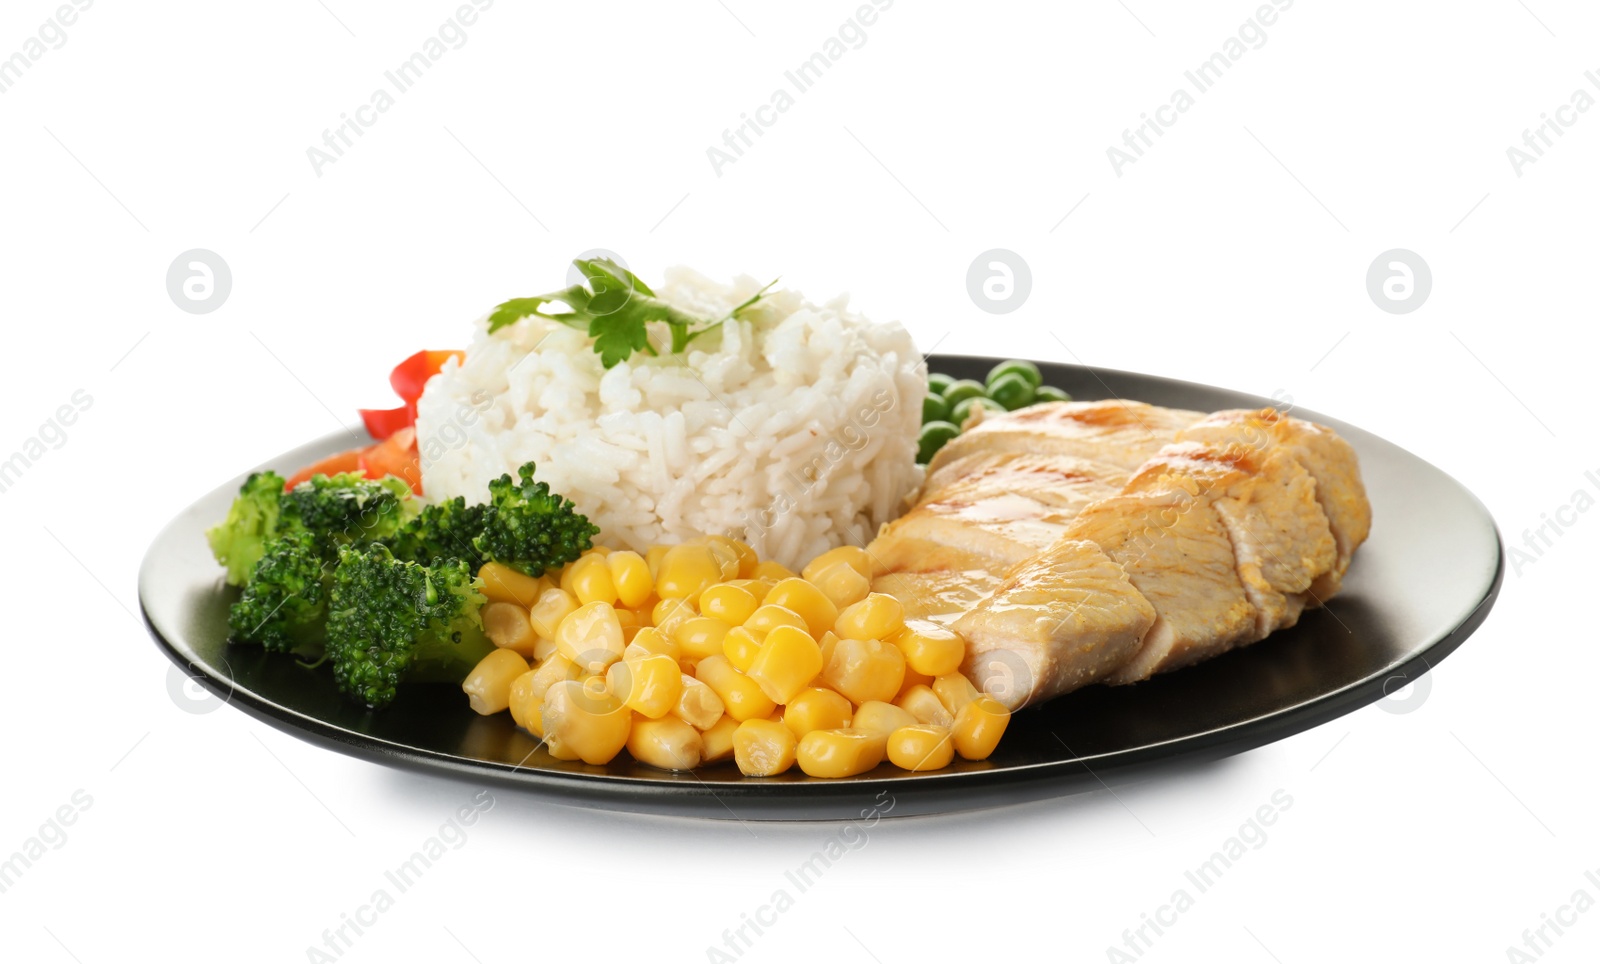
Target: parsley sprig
x=614 y=309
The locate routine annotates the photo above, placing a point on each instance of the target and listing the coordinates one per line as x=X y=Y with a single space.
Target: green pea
x=1016 y=366
x=963 y=409
x=939 y=381
x=963 y=389
x=935 y=408
x=932 y=439
x=1012 y=391
x=1050 y=393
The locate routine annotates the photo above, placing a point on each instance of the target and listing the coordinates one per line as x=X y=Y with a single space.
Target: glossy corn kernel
x=864 y=669
x=669 y=743
x=543 y=649
x=954 y=691
x=525 y=707
x=806 y=601
x=716 y=742
x=742 y=698
x=929 y=648
x=652 y=559
x=506 y=624
x=816 y=708
x=881 y=718
x=839 y=753
x=488 y=686
x=650 y=641
x=698 y=704
x=842 y=584
x=878 y=616
x=556 y=669
x=921 y=702
x=591 y=581
x=767 y=618
x=580 y=720
x=921 y=747
x=775 y=571
x=686 y=570
x=726 y=555
x=853 y=556
x=745 y=556
x=979 y=726
x=591 y=637
x=505 y=584
x=700 y=637
x=730 y=603
x=762 y=748
x=741 y=647
x=787 y=662
x=668 y=613
x=650 y=685
x=630 y=576
x=553 y=606
x=563 y=580
x=596 y=551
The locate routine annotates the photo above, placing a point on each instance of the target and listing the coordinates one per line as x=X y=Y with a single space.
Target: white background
x=1233 y=253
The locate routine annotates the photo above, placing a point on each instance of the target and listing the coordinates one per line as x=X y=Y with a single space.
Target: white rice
x=794 y=429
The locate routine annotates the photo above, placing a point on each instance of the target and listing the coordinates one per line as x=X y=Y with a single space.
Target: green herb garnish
x=614 y=309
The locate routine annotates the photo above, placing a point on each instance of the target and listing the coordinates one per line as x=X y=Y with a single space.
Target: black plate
x=1420 y=585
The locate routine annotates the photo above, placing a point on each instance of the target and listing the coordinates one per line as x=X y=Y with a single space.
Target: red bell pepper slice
x=384 y=422
x=411 y=376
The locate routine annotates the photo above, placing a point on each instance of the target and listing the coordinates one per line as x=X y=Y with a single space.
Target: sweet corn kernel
x=741 y=696
x=878 y=616
x=760 y=588
x=954 y=691
x=921 y=747
x=488 y=686
x=543 y=648
x=921 y=702
x=591 y=637
x=745 y=555
x=728 y=602
x=668 y=613
x=556 y=669
x=596 y=551
x=650 y=685
x=578 y=720
x=630 y=575
x=853 y=556
x=727 y=557
x=864 y=669
x=669 y=743
x=564 y=578
x=816 y=708
x=505 y=584
x=929 y=648
x=767 y=618
x=763 y=748
x=806 y=601
x=525 y=707
x=700 y=637
x=717 y=741
x=591 y=581
x=648 y=641
x=553 y=606
x=839 y=753
x=652 y=559
x=698 y=705
x=774 y=571
x=741 y=647
x=881 y=718
x=787 y=662
x=688 y=569
x=506 y=624
x=842 y=584
x=979 y=726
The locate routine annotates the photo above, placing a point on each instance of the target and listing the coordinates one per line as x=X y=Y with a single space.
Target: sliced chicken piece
x=1267 y=503
x=1176 y=552
x=1328 y=458
x=1120 y=433
x=942 y=596
x=1067 y=617
x=1059 y=480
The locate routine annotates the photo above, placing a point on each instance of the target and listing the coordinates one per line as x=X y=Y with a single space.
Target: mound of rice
x=793 y=428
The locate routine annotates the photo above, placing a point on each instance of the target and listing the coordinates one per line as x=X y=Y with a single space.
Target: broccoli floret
x=239 y=541
x=348 y=508
x=445 y=530
x=391 y=621
x=286 y=600
x=531 y=529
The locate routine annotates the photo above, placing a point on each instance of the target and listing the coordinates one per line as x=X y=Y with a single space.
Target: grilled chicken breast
x=1073 y=543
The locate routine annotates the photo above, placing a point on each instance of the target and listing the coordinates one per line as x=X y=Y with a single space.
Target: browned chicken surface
x=1080 y=542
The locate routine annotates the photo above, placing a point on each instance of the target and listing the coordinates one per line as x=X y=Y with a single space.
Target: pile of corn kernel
x=700 y=653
